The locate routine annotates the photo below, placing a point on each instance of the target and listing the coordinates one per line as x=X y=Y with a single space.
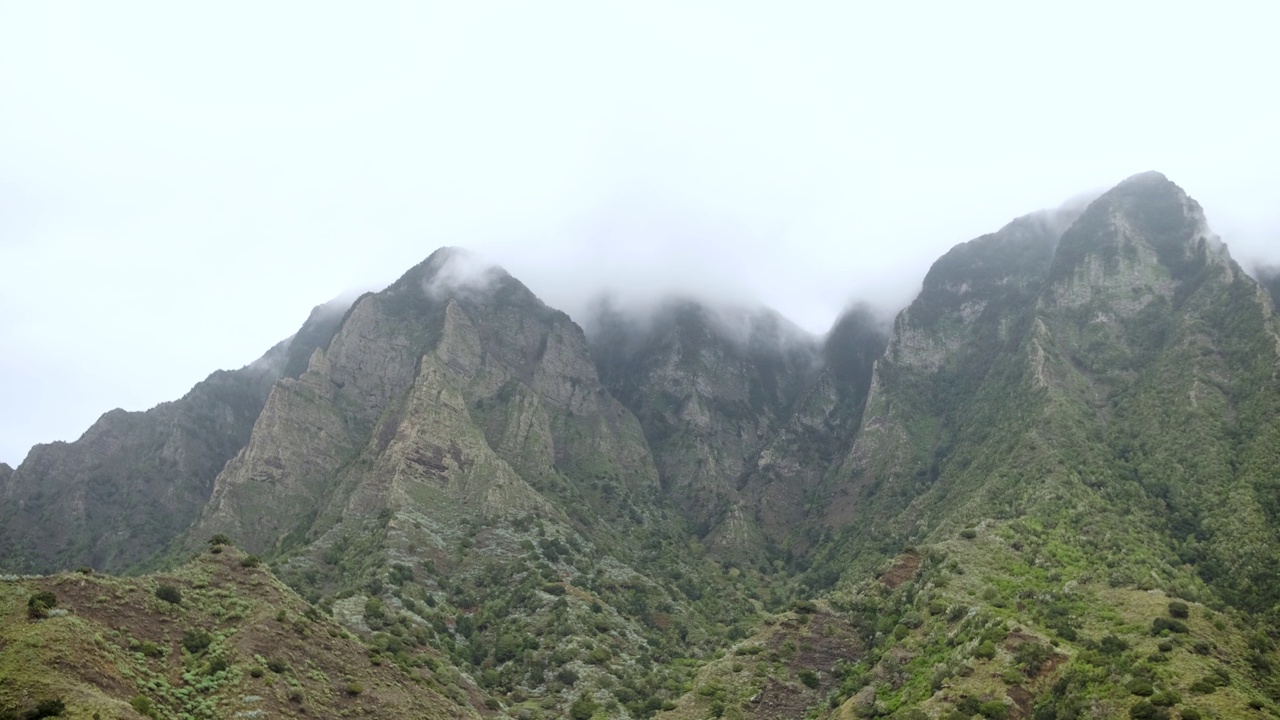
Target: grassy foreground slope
x=1006 y=620
x=237 y=643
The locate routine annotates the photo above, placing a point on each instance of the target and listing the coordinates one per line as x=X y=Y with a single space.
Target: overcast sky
x=181 y=182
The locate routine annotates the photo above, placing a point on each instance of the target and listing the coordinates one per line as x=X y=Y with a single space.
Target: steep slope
x=216 y=638
x=1107 y=404
x=451 y=465
x=710 y=388
x=1269 y=276
x=434 y=390
x=781 y=489
x=135 y=480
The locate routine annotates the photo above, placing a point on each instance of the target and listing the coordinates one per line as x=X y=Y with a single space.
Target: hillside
x=218 y=637
x=1050 y=490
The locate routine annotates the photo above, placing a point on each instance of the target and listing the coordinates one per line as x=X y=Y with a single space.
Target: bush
x=1179 y=610
x=1159 y=625
x=993 y=710
x=583 y=708
x=277 y=666
x=144 y=706
x=150 y=649
x=1112 y=645
x=47 y=708
x=196 y=641
x=353 y=688
x=809 y=678
x=250 y=561
x=1032 y=656
x=39 y=604
x=1140 y=687
x=1189 y=714
x=219 y=539
x=986 y=650
x=1143 y=710
x=169 y=594
x=968 y=533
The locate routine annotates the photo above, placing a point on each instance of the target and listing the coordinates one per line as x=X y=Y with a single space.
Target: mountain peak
x=1150 y=177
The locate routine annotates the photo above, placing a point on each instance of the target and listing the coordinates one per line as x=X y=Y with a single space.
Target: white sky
x=181 y=182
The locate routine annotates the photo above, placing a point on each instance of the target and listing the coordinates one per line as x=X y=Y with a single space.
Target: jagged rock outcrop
x=441 y=391
x=116 y=497
x=782 y=487
x=711 y=387
x=1122 y=376
x=133 y=482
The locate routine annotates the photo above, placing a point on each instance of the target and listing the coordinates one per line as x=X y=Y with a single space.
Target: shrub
x=1166 y=698
x=39 y=604
x=1159 y=625
x=583 y=708
x=986 y=650
x=277 y=666
x=1189 y=714
x=1179 y=610
x=353 y=688
x=219 y=539
x=1032 y=656
x=1112 y=645
x=196 y=641
x=144 y=706
x=256 y=672
x=993 y=710
x=150 y=649
x=809 y=678
x=250 y=561
x=968 y=533
x=1140 y=687
x=1143 y=710
x=85 y=570
x=46 y=708
x=169 y=594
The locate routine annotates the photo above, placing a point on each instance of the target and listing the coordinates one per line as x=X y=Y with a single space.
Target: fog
x=180 y=185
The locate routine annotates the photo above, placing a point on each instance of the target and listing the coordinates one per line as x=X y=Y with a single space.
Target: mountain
x=1051 y=489
x=1094 y=400
x=710 y=388
x=135 y=480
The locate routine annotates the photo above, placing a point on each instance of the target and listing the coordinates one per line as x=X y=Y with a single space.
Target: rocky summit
x=1049 y=488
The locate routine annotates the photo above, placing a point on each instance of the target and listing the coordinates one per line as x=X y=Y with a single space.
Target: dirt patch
x=905 y=568
x=1024 y=701
x=815 y=645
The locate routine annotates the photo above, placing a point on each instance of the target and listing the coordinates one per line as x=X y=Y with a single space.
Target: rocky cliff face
x=782 y=489
x=136 y=480
x=434 y=392
x=1110 y=359
x=133 y=481
x=711 y=387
